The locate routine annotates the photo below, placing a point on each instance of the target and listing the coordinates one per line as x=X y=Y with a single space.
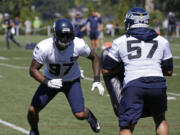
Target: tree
x=49 y=8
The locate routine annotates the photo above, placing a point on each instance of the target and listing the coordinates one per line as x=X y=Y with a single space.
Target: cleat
x=33 y=133
x=95 y=126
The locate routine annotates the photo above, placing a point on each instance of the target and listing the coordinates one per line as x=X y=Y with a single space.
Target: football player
x=96 y=26
x=147 y=58
x=78 y=23
x=9 y=31
x=62 y=74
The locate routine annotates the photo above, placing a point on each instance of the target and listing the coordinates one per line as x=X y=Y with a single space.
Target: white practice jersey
x=61 y=64
x=140 y=58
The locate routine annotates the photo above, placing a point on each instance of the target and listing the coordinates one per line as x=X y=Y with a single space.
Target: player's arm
x=95 y=65
x=100 y=28
x=96 y=69
x=167 y=62
x=110 y=67
x=85 y=24
x=34 y=71
x=167 y=67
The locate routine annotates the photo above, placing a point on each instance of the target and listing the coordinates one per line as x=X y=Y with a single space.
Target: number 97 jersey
x=140 y=58
x=61 y=64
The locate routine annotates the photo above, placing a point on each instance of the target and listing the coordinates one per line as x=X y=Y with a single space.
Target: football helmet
x=63 y=32
x=136 y=18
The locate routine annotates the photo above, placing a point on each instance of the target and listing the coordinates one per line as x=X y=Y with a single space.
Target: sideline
x=20 y=129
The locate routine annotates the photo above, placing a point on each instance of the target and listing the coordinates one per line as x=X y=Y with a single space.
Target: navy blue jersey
x=78 y=24
x=94 y=22
x=8 y=24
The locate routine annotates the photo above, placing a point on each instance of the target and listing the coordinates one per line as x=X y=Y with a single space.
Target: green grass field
x=17 y=89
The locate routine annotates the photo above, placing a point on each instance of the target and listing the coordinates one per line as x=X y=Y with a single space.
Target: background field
x=17 y=89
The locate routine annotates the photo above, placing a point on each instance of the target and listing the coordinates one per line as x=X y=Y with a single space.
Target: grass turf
x=17 y=89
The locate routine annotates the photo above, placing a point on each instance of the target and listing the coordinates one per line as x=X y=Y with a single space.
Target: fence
x=48 y=31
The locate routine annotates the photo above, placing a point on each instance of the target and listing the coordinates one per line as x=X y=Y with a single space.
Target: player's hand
x=55 y=83
x=99 y=86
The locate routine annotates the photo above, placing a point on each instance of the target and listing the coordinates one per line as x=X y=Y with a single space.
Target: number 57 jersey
x=61 y=64
x=140 y=58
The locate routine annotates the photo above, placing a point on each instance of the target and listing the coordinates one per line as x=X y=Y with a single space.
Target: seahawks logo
x=66 y=29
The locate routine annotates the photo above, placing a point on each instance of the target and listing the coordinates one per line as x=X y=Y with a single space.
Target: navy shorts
x=94 y=35
x=140 y=102
x=72 y=90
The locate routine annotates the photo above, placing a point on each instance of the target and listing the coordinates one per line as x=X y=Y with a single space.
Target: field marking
x=20 y=129
x=174 y=94
x=171 y=98
x=86 y=78
x=176 y=57
x=13 y=66
x=3 y=58
x=177 y=66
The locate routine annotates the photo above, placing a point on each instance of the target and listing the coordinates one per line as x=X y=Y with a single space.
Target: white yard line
x=20 y=129
x=86 y=78
x=176 y=57
x=177 y=66
x=174 y=94
x=171 y=98
x=13 y=66
x=3 y=58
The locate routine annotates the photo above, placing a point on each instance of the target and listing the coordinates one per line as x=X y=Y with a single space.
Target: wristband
x=96 y=78
x=45 y=81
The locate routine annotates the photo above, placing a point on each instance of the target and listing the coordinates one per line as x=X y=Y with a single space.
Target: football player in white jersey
x=147 y=58
x=62 y=74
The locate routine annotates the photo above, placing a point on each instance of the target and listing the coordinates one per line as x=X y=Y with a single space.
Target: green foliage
x=48 y=8
x=13 y=7
x=155 y=15
x=26 y=13
x=121 y=10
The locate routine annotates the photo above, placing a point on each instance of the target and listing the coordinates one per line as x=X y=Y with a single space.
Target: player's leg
x=41 y=98
x=161 y=124
x=131 y=108
x=127 y=130
x=12 y=38
x=75 y=98
x=93 y=39
x=93 y=43
x=7 y=41
x=158 y=106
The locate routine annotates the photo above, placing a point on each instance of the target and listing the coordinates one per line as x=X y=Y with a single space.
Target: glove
x=54 y=83
x=99 y=86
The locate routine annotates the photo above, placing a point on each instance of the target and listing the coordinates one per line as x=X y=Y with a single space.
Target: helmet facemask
x=63 y=39
x=63 y=33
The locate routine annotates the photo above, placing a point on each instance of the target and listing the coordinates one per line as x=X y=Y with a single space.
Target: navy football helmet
x=136 y=18
x=63 y=32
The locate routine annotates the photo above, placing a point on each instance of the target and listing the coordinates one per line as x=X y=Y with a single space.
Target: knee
x=32 y=111
x=158 y=119
x=80 y=115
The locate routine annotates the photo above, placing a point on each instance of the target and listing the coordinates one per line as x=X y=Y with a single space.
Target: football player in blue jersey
x=95 y=27
x=78 y=23
x=62 y=74
x=147 y=58
x=9 y=31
